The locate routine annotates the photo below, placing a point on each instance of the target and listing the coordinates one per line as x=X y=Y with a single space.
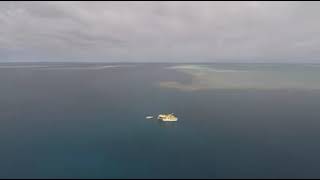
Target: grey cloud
x=160 y=31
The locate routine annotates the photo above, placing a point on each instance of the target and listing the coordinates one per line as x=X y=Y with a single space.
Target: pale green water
x=252 y=76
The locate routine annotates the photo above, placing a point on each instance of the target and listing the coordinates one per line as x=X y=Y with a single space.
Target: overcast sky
x=160 y=31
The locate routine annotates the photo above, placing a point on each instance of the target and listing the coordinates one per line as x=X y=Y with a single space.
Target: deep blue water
x=90 y=123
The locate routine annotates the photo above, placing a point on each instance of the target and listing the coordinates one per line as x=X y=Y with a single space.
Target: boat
x=149 y=117
x=167 y=117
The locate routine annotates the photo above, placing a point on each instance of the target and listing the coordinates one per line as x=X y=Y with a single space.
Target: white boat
x=149 y=117
x=168 y=117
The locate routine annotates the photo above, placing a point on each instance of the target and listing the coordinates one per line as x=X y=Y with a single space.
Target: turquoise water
x=88 y=121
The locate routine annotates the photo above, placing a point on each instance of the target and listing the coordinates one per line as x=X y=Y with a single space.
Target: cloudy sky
x=160 y=31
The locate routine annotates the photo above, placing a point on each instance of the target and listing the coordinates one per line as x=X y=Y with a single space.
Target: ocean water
x=87 y=120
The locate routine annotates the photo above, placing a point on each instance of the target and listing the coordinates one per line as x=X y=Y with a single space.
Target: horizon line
x=158 y=62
